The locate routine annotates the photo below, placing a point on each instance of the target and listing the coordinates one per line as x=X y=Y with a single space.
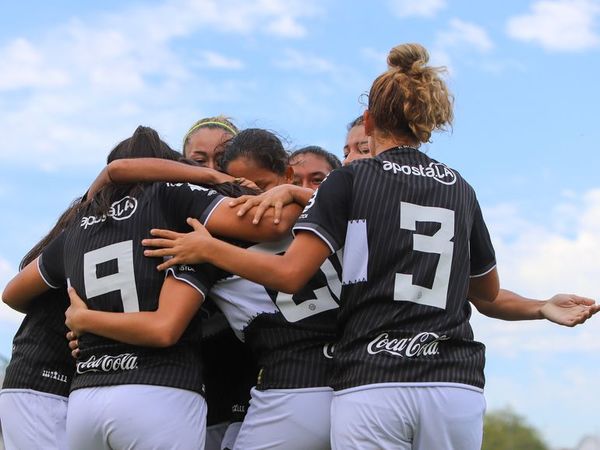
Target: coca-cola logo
x=422 y=344
x=328 y=350
x=108 y=363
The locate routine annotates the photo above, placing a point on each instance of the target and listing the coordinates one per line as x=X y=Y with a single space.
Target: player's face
x=247 y=168
x=309 y=170
x=205 y=146
x=357 y=145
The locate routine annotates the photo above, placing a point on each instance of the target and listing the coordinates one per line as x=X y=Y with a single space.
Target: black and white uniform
x=292 y=337
x=412 y=235
x=33 y=400
x=229 y=374
x=120 y=391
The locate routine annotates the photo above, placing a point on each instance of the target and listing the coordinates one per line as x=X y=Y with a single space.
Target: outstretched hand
x=183 y=248
x=275 y=198
x=569 y=309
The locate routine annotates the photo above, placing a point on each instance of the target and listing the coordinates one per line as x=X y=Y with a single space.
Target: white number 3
x=440 y=243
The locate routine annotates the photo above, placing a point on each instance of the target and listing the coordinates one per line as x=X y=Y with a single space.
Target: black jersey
x=291 y=335
x=229 y=368
x=412 y=234
x=41 y=359
x=103 y=258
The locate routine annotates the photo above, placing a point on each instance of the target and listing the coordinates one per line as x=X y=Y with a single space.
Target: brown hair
x=218 y=122
x=410 y=98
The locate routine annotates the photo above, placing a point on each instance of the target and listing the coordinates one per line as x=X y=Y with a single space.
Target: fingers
x=71 y=335
x=75 y=353
x=247 y=206
x=159 y=252
x=239 y=200
x=168 y=263
x=195 y=224
x=167 y=234
x=158 y=243
x=260 y=210
x=74 y=344
x=278 y=212
x=582 y=300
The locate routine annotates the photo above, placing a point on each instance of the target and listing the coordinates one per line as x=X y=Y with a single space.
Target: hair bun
x=404 y=56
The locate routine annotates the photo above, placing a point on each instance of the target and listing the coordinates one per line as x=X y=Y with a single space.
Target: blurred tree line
x=505 y=430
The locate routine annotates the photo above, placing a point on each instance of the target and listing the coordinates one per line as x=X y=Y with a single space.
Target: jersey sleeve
x=183 y=200
x=328 y=210
x=51 y=264
x=483 y=257
x=201 y=277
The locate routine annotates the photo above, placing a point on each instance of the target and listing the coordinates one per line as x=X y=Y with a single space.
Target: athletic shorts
x=33 y=420
x=287 y=419
x=136 y=417
x=386 y=416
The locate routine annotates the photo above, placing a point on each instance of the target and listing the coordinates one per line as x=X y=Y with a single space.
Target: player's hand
x=73 y=344
x=275 y=198
x=73 y=318
x=183 y=248
x=569 y=309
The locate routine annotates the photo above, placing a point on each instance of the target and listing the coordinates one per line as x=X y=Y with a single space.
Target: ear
x=368 y=122
x=289 y=174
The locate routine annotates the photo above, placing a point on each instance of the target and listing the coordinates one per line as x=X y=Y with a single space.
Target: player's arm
x=178 y=303
x=24 y=287
x=286 y=273
x=484 y=288
x=225 y=221
x=275 y=198
x=562 y=309
x=138 y=170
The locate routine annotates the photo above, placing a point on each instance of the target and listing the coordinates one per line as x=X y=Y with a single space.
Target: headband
x=212 y=122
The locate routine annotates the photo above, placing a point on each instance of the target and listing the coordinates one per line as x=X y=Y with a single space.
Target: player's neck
x=383 y=143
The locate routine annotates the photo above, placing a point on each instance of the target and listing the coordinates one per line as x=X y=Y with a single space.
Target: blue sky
x=77 y=77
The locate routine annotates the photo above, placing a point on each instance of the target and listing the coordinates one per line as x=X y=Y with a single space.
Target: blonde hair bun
x=407 y=57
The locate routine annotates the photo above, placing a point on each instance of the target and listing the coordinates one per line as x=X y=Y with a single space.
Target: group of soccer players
x=352 y=334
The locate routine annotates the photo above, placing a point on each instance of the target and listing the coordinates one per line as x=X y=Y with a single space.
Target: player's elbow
x=117 y=169
x=290 y=280
x=12 y=299
x=165 y=336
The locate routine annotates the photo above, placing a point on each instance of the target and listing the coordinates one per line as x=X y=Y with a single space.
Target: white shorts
x=287 y=419
x=231 y=435
x=33 y=420
x=386 y=416
x=136 y=416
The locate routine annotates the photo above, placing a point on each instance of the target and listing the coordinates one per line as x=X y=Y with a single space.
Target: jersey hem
x=296 y=390
x=477 y=275
x=405 y=385
x=33 y=391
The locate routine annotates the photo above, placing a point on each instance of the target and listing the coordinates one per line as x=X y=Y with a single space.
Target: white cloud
x=421 y=8
x=535 y=365
x=538 y=261
x=86 y=84
x=458 y=38
x=215 y=60
x=464 y=34
x=297 y=61
x=558 y=25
